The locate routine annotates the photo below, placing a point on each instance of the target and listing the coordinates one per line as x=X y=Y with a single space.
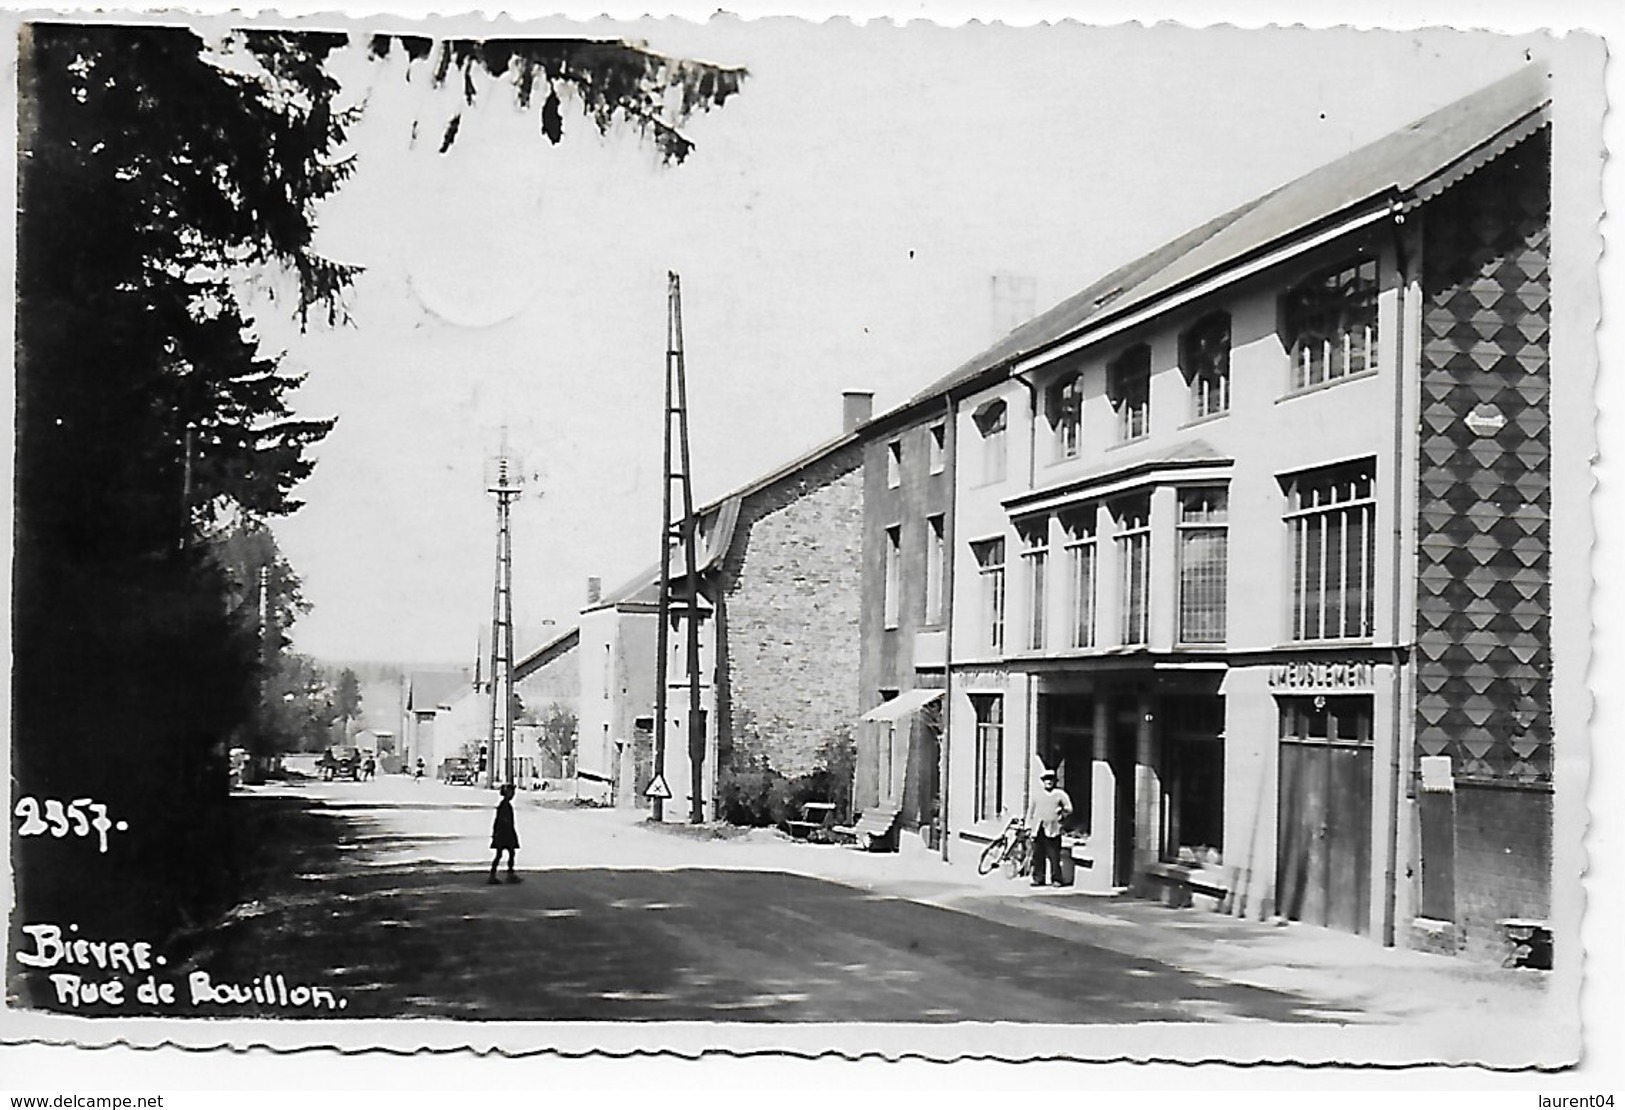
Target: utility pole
x=503 y=480
x=684 y=532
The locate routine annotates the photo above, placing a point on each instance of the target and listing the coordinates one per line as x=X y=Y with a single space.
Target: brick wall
x=790 y=617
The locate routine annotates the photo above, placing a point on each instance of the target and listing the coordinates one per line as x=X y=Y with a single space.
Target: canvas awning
x=909 y=701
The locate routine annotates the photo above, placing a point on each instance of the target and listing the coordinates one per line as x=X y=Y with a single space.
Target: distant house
x=549 y=676
x=429 y=694
x=616 y=668
x=380 y=744
x=778 y=604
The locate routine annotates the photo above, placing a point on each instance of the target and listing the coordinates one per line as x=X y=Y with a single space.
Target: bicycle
x=1013 y=848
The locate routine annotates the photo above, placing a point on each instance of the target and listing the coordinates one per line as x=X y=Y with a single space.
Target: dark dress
x=503 y=834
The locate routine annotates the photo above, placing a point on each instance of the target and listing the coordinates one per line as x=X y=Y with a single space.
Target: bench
x=873 y=831
x=817 y=823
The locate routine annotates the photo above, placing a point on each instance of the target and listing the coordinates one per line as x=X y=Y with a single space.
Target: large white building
x=1249 y=541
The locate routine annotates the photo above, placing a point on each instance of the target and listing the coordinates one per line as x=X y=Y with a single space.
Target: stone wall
x=790 y=618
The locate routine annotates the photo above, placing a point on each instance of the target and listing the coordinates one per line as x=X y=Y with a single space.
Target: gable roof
x=542 y=656
x=427 y=690
x=1404 y=168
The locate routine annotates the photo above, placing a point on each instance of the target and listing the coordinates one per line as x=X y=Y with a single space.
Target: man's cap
x=1048 y=776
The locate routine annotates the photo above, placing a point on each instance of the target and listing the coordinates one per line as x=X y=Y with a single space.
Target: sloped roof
x=545 y=654
x=427 y=689
x=1192 y=452
x=1413 y=163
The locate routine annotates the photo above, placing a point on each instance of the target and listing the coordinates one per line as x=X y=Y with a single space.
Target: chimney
x=595 y=589
x=857 y=406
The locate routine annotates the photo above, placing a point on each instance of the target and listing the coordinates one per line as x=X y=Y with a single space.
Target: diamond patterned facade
x=1483 y=634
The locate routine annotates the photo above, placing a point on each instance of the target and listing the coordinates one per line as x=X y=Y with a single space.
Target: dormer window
x=1204 y=358
x=992 y=420
x=1128 y=383
x=1329 y=324
x=1063 y=407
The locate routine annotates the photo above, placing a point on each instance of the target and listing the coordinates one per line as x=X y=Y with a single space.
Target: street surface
x=379 y=893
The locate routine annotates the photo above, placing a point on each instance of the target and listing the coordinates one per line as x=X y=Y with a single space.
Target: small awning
x=909 y=701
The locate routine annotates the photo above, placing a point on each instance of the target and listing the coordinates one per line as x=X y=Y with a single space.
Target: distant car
x=341 y=763
x=458 y=772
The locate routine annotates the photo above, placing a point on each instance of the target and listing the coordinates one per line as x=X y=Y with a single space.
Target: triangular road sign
x=658 y=788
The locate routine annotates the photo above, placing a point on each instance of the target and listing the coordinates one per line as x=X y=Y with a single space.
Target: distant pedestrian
x=1049 y=808
x=368 y=768
x=418 y=773
x=504 y=838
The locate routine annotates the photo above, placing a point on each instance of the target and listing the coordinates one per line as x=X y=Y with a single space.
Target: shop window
x=936 y=567
x=989 y=556
x=1330 y=517
x=992 y=420
x=1082 y=567
x=1193 y=735
x=1329 y=324
x=1035 y=559
x=1203 y=564
x=1133 y=519
x=989 y=798
x=894 y=574
x=1204 y=358
x=1063 y=406
x=1128 y=383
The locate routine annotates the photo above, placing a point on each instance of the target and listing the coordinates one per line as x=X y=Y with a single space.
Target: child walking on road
x=504 y=838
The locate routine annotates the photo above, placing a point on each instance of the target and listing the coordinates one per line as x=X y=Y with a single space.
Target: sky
x=838 y=226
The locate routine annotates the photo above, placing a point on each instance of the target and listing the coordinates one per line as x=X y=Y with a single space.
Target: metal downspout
x=1402 y=561
x=1030 y=748
x=951 y=449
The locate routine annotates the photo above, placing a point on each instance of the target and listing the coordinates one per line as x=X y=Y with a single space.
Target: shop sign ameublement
x=1350 y=675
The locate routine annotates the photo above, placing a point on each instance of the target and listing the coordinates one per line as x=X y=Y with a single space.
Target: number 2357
x=80 y=817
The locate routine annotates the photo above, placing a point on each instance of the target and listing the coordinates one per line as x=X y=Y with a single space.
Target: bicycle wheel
x=1021 y=855
x=991 y=856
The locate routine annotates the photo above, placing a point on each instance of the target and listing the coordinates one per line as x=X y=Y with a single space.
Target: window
x=1343 y=719
x=608 y=664
x=991 y=421
x=989 y=755
x=1063 y=405
x=1204 y=357
x=1035 y=558
x=1081 y=570
x=990 y=563
x=1203 y=558
x=894 y=574
x=936 y=567
x=1329 y=324
x=937 y=445
x=1193 y=738
x=1330 y=514
x=1133 y=518
x=894 y=464
x=1128 y=382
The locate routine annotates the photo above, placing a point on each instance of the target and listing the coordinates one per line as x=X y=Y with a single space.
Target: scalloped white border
x=603 y=1046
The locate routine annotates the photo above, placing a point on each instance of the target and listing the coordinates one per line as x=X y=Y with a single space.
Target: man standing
x=1050 y=806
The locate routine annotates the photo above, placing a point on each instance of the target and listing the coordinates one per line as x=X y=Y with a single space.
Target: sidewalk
x=1356 y=977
